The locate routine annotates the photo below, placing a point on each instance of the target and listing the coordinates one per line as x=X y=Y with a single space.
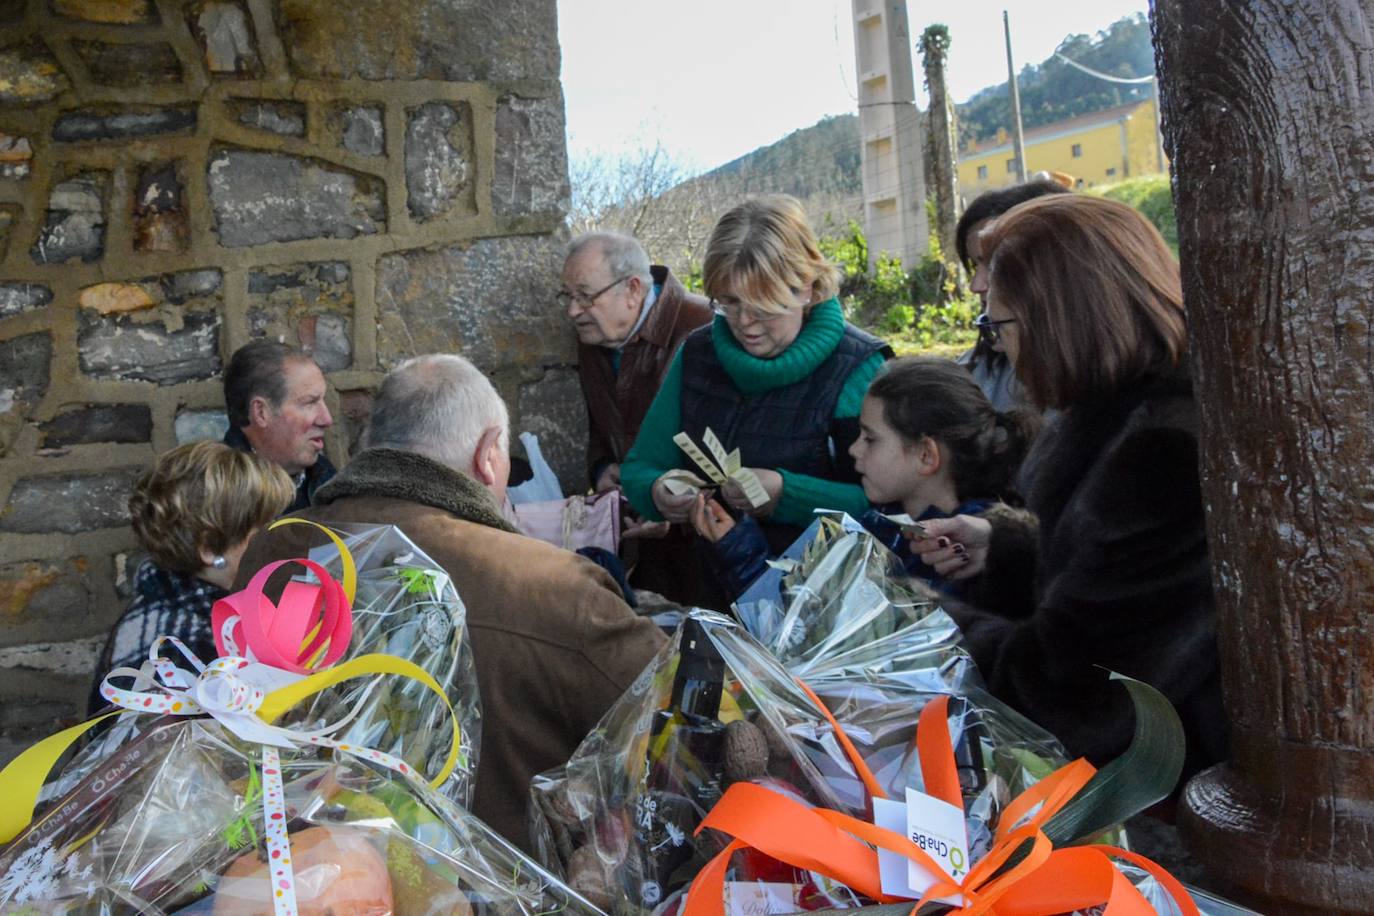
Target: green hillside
x=824 y=159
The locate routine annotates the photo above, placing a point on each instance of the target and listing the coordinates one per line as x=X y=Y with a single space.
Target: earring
x=219 y=563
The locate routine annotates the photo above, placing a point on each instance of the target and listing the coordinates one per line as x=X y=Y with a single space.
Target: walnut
x=590 y=877
x=746 y=751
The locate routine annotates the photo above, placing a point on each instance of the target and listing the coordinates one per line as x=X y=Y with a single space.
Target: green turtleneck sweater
x=654 y=452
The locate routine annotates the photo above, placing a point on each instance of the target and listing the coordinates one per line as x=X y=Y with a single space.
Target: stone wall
x=371 y=179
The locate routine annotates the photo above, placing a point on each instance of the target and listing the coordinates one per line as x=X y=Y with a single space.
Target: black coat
x=1121 y=578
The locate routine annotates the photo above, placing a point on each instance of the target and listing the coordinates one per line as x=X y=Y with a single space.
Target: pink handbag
x=575 y=522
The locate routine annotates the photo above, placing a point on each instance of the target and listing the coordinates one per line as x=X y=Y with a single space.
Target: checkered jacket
x=165 y=604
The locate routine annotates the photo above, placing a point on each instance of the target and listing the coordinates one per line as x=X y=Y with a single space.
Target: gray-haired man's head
x=606 y=278
x=443 y=407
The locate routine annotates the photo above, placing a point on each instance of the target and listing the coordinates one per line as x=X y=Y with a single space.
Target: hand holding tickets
x=724 y=467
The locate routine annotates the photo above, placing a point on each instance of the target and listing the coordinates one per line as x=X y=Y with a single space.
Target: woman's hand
x=734 y=496
x=710 y=519
x=672 y=508
x=956 y=548
x=609 y=478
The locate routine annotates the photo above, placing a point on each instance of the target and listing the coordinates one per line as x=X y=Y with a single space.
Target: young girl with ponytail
x=930 y=446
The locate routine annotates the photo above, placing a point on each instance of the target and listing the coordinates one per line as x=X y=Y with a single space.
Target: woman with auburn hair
x=194 y=512
x=1085 y=301
x=780 y=375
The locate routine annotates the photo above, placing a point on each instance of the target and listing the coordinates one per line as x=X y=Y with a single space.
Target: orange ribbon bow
x=1044 y=882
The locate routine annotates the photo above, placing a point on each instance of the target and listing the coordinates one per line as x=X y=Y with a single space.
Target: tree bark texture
x=941 y=140
x=1269 y=122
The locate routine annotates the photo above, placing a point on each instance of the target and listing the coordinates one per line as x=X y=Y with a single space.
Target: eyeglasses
x=566 y=299
x=738 y=312
x=990 y=330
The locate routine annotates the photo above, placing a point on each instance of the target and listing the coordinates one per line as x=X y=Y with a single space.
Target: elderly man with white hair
x=630 y=316
x=553 y=641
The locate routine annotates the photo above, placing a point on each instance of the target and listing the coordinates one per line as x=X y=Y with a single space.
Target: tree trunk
x=1269 y=121
x=941 y=139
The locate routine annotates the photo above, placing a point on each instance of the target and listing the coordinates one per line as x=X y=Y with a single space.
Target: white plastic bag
x=543 y=486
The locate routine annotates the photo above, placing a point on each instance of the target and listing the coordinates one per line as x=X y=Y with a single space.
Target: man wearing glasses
x=630 y=317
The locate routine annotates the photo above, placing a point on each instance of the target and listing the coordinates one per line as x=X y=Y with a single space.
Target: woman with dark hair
x=988 y=367
x=930 y=446
x=1085 y=302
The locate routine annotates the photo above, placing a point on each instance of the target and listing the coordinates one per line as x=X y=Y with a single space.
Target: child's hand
x=956 y=548
x=710 y=519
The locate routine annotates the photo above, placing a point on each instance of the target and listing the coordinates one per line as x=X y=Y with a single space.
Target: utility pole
x=889 y=130
x=1017 y=138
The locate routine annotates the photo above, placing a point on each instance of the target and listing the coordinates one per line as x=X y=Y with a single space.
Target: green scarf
x=819 y=337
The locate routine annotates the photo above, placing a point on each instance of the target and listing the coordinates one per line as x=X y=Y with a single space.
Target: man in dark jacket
x=274 y=395
x=630 y=318
x=553 y=643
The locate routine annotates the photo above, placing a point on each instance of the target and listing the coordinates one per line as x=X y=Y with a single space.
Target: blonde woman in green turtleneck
x=779 y=374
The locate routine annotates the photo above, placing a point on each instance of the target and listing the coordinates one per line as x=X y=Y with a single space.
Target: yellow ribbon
x=22 y=779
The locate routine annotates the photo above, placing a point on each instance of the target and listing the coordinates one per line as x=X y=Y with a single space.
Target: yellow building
x=1099 y=148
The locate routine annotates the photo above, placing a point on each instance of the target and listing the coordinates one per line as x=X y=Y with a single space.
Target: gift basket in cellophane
x=403 y=605
x=229 y=800
x=837 y=601
x=714 y=710
x=808 y=756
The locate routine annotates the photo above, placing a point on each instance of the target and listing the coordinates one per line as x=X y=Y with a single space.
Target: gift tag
x=759 y=898
x=929 y=823
x=938 y=828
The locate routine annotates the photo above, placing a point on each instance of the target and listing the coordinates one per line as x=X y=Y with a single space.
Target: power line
x=1130 y=81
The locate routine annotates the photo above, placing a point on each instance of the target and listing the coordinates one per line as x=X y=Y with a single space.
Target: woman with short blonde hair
x=194 y=512
x=779 y=375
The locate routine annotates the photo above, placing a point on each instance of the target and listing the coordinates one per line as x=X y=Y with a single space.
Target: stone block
x=19 y=297
x=196 y=287
x=40 y=590
x=161 y=222
x=30 y=74
x=129 y=65
x=197 y=425
x=552 y=408
x=98 y=423
x=260 y=197
x=122 y=348
x=75 y=224
x=438 y=161
x=225 y=31
x=104 y=123
x=188 y=285
x=355 y=407
x=114 y=12
x=491 y=300
x=284 y=118
x=361 y=130
x=25 y=363
x=422 y=39
x=78 y=656
x=531 y=169
x=307 y=304
x=16 y=156
x=9 y=218
x=69 y=503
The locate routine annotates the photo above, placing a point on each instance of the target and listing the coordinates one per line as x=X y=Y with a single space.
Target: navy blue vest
x=792 y=427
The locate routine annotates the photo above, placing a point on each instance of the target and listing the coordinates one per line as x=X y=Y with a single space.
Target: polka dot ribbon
x=232 y=690
x=291 y=650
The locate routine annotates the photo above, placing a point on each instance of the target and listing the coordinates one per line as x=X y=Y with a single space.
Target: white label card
x=928 y=819
x=759 y=898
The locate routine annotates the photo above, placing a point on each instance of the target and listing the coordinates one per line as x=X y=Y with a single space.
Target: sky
x=711 y=80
